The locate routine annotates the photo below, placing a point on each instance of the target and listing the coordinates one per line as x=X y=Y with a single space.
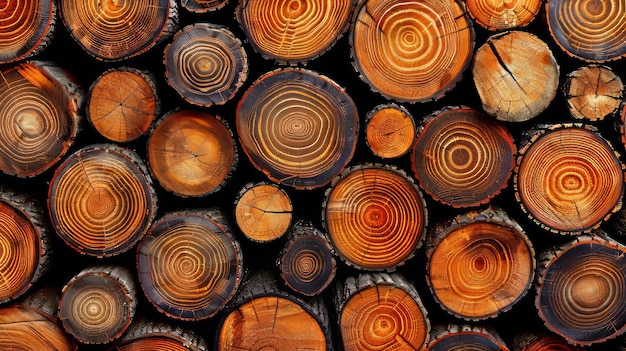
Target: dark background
x=336 y=64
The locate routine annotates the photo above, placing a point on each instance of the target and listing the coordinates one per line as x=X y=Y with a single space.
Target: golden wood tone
x=39 y=117
x=497 y=15
x=298 y=127
x=263 y=211
x=191 y=153
x=206 y=64
x=516 y=76
x=381 y=312
x=292 y=31
x=375 y=216
x=23 y=328
x=189 y=264
x=568 y=178
x=591 y=30
x=101 y=201
x=461 y=157
x=122 y=104
x=580 y=289
x=27 y=27
x=465 y=337
x=98 y=304
x=479 y=264
x=390 y=130
x=593 y=92
x=412 y=51
x=113 y=30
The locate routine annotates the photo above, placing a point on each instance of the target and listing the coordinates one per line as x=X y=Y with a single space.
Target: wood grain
x=26 y=29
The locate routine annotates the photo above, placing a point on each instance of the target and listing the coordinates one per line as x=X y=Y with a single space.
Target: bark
x=412 y=52
x=27 y=28
x=389 y=131
x=568 y=178
x=292 y=32
x=263 y=211
x=516 y=76
x=191 y=153
x=95 y=25
x=588 y=30
x=480 y=264
x=203 y=6
x=593 y=92
x=148 y=335
x=307 y=263
x=189 y=264
x=381 y=311
x=475 y=338
x=40 y=112
x=206 y=64
x=461 y=157
x=123 y=103
x=375 y=216
x=298 y=127
x=101 y=201
x=98 y=304
x=580 y=287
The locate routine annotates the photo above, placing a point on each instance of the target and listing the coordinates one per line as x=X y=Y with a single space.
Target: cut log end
x=593 y=92
x=23 y=328
x=390 y=131
x=263 y=212
x=454 y=337
x=26 y=29
x=203 y=6
x=498 y=15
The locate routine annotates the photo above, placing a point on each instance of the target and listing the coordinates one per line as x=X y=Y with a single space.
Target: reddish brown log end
x=390 y=131
x=263 y=212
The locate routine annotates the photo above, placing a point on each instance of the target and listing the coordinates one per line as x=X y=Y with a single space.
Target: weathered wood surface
x=458 y=337
x=149 y=335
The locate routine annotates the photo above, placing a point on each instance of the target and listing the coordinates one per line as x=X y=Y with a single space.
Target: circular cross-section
x=546 y=343
x=298 y=127
x=569 y=179
x=23 y=328
x=593 y=92
x=122 y=104
x=412 y=50
x=499 y=15
x=203 y=6
x=206 y=64
x=191 y=153
x=101 y=200
x=462 y=158
x=25 y=27
x=39 y=120
x=582 y=289
x=96 y=308
x=307 y=264
x=591 y=30
x=375 y=217
x=383 y=317
x=116 y=29
x=263 y=212
x=189 y=265
x=481 y=269
x=466 y=339
x=390 y=130
x=294 y=30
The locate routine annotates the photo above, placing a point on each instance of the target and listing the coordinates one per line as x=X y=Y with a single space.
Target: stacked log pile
x=312 y=175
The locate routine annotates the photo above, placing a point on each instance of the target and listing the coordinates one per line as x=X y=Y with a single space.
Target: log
x=27 y=28
x=203 y=6
x=381 y=311
x=568 y=179
x=580 y=289
x=148 y=335
x=264 y=317
x=461 y=157
x=465 y=337
x=411 y=51
x=24 y=328
x=101 y=201
x=298 y=127
x=592 y=31
x=205 y=64
x=98 y=304
x=189 y=264
x=516 y=76
x=306 y=262
x=40 y=108
x=292 y=32
x=542 y=342
x=113 y=30
x=263 y=211
x=44 y=299
x=389 y=131
x=122 y=103
x=375 y=216
x=593 y=92
x=480 y=264
x=499 y=15
x=25 y=244
x=191 y=153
